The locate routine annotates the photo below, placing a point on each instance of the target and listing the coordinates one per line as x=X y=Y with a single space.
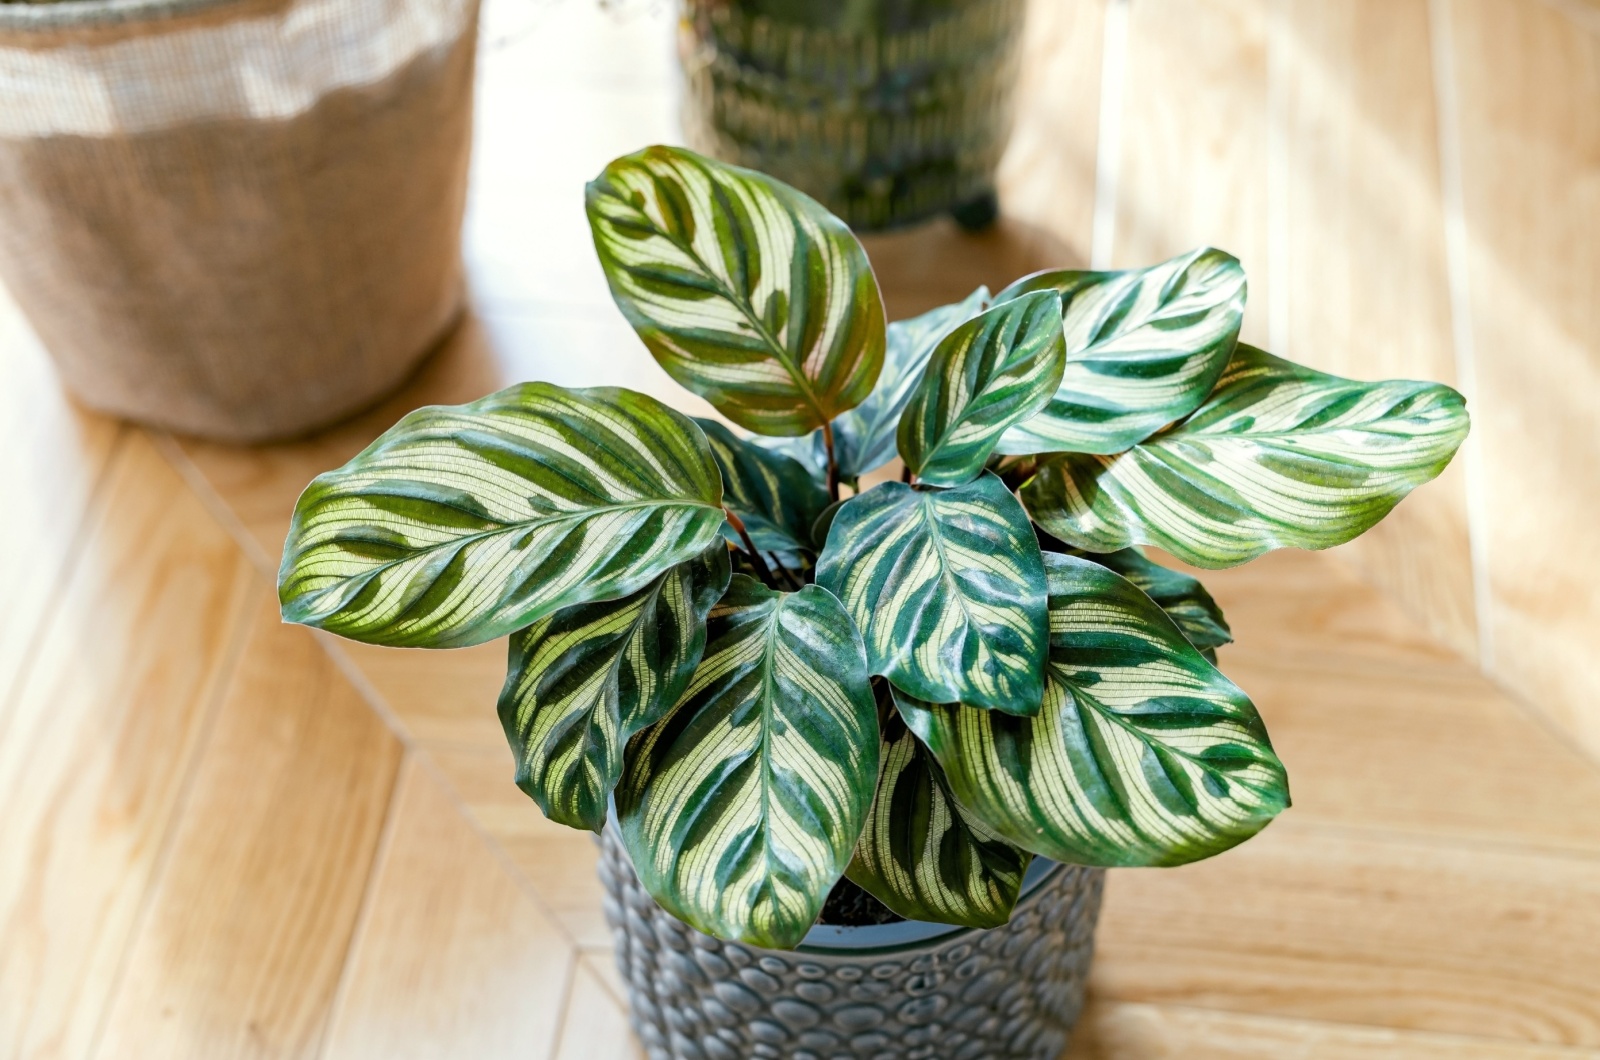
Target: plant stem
x=905 y=474
x=750 y=549
x=833 y=463
x=788 y=575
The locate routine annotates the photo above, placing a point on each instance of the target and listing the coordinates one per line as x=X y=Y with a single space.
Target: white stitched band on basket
x=153 y=76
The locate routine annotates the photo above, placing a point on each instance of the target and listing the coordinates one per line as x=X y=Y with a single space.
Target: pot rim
x=51 y=15
x=842 y=939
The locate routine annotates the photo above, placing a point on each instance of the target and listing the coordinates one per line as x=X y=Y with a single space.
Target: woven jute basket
x=235 y=218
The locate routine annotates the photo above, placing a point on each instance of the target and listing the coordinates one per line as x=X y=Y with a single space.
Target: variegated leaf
x=994 y=370
x=741 y=808
x=923 y=855
x=864 y=437
x=1144 y=754
x=774 y=495
x=1144 y=348
x=948 y=589
x=464 y=523
x=1183 y=598
x=1279 y=456
x=746 y=291
x=583 y=680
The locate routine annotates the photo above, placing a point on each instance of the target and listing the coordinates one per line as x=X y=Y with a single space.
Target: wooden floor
x=224 y=837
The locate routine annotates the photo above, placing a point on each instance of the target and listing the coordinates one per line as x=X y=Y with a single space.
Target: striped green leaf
x=1144 y=754
x=1144 y=348
x=464 y=523
x=585 y=679
x=746 y=291
x=948 y=589
x=923 y=855
x=741 y=808
x=1000 y=367
x=1183 y=598
x=1279 y=456
x=774 y=495
x=864 y=437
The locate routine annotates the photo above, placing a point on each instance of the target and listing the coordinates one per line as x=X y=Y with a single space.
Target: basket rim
x=51 y=15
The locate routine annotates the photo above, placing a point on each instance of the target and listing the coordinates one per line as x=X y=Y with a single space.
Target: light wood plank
x=98 y=741
x=1118 y=1031
x=1528 y=82
x=1047 y=177
x=557 y=862
x=596 y=1023
x=1325 y=924
x=251 y=919
x=445 y=699
x=452 y=959
x=51 y=456
x=1367 y=286
x=1382 y=727
x=1194 y=138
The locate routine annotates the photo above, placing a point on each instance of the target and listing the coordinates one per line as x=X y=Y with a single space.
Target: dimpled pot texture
x=962 y=994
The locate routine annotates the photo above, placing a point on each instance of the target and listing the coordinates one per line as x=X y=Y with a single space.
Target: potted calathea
x=929 y=712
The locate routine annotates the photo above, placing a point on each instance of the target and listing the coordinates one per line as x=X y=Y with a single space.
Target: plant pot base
x=1008 y=993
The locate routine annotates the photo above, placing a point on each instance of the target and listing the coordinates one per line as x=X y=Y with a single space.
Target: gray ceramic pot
x=906 y=991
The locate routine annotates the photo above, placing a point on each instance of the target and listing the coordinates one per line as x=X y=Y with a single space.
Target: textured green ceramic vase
x=887 y=111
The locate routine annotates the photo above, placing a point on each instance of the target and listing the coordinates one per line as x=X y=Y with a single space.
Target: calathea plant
x=779 y=677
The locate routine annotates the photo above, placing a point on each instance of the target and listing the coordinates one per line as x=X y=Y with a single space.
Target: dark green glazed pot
x=887 y=111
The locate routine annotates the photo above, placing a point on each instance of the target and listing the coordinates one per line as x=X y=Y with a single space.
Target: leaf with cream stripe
x=746 y=291
x=923 y=855
x=1144 y=754
x=1144 y=348
x=581 y=682
x=740 y=809
x=864 y=437
x=994 y=370
x=1183 y=598
x=1279 y=456
x=774 y=495
x=948 y=589
x=464 y=523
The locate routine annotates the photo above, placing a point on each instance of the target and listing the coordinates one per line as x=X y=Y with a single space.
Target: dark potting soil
x=850 y=906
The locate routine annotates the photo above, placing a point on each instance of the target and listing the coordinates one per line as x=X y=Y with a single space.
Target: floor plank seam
x=369 y=693
x=69 y=563
x=568 y=988
x=215 y=696
x=380 y=857
x=1439 y=1037
x=225 y=516
x=1411 y=839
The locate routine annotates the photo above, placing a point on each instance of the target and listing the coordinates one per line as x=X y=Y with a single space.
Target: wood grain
x=556 y=862
x=1383 y=728
x=452 y=959
x=1121 y=1031
x=251 y=919
x=1327 y=924
x=1528 y=87
x=596 y=1023
x=444 y=699
x=1047 y=177
x=52 y=455
x=98 y=741
x=1368 y=293
x=1193 y=170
